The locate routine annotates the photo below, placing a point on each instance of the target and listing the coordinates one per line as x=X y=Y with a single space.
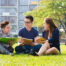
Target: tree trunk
x=64 y=26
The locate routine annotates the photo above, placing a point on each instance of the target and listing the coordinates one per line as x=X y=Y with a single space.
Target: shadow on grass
x=38 y=56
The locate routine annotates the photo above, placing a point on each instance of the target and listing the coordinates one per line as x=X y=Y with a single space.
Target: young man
x=5 y=29
x=30 y=33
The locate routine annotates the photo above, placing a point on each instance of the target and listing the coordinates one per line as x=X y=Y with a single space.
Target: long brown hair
x=52 y=25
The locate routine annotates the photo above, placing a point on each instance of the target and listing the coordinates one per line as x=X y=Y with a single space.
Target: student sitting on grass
x=30 y=33
x=5 y=29
x=52 y=43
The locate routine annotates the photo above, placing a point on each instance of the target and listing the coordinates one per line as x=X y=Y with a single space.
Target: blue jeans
x=27 y=48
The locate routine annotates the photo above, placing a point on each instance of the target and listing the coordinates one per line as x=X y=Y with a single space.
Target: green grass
x=28 y=60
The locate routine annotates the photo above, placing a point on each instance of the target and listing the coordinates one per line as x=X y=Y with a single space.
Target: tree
x=50 y=8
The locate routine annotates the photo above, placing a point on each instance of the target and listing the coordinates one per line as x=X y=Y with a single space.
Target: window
x=35 y=0
x=21 y=16
x=12 y=19
x=0 y=12
x=12 y=11
x=12 y=2
x=0 y=19
x=24 y=2
x=31 y=7
x=23 y=9
x=0 y=2
x=21 y=24
x=3 y=2
x=13 y=28
x=3 y=18
x=3 y=10
x=8 y=2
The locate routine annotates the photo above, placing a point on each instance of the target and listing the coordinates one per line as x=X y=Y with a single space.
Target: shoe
x=11 y=54
x=32 y=52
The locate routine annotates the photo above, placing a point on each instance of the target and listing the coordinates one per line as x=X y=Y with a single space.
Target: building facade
x=13 y=10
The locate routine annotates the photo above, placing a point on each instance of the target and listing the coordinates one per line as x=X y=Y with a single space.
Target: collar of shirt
x=4 y=35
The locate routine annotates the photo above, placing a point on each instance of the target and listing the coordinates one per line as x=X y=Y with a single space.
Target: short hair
x=4 y=24
x=30 y=17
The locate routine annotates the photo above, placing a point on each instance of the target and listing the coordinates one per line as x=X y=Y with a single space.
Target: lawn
x=28 y=60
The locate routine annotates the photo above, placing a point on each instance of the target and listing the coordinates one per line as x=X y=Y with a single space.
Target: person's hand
x=36 y=39
x=39 y=40
x=46 y=41
x=11 y=42
x=20 y=44
x=33 y=44
x=20 y=41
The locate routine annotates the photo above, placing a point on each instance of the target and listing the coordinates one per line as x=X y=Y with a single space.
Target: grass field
x=28 y=60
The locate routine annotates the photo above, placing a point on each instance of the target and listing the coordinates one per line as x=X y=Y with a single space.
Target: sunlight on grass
x=28 y=60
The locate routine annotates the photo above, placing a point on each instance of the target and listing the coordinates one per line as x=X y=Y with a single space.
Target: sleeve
x=55 y=36
x=43 y=34
x=36 y=33
x=20 y=33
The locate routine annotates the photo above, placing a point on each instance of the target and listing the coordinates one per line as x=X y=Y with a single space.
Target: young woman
x=51 y=34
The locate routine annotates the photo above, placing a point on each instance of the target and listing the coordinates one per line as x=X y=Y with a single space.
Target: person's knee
x=17 y=48
x=39 y=45
x=50 y=50
x=54 y=48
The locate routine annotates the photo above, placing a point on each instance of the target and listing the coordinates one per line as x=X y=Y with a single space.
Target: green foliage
x=48 y=8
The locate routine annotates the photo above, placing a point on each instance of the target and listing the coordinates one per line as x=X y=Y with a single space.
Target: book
x=27 y=41
x=40 y=40
x=10 y=41
x=22 y=40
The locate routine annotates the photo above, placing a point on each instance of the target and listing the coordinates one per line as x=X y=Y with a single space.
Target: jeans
x=5 y=49
x=26 y=48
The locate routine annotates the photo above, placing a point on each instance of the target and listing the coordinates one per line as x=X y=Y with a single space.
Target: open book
x=40 y=40
x=6 y=40
x=27 y=41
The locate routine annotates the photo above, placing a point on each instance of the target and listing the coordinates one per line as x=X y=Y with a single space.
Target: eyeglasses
x=27 y=22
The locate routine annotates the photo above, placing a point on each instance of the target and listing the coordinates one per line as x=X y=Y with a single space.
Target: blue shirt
x=28 y=34
x=55 y=37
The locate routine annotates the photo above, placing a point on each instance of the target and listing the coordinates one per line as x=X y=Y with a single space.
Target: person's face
x=28 y=23
x=6 y=29
x=46 y=26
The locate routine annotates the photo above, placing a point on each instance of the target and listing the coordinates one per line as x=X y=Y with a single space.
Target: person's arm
x=36 y=34
x=20 y=41
x=20 y=33
x=43 y=34
x=55 y=36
